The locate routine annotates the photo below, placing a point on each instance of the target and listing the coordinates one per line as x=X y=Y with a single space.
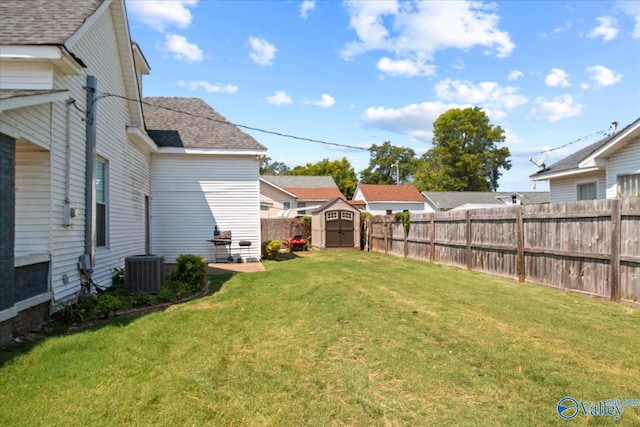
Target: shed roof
x=192 y=123
x=390 y=193
x=43 y=22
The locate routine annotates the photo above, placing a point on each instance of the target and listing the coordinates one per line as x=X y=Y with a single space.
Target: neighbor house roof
x=191 y=123
x=301 y=181
x=315 y=193
x=390 y=193
x=306 y=187
x=446 y=200
x=584 y=160
x=43 y=22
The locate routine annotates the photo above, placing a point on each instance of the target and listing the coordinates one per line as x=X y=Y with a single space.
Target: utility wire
x=103 y=95
x=284 y=135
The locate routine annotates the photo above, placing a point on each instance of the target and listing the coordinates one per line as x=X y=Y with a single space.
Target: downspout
x=66 y=213
x=90 y=177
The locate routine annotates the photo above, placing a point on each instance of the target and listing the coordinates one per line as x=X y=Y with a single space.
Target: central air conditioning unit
x=143 y=274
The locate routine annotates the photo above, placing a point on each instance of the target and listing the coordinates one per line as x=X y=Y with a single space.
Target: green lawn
x=336 y=338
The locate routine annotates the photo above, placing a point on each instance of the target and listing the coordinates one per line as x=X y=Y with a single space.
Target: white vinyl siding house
x=44 y=115
x=381 y=199
x=568 y=189
x=623 y=164
x=607 y=165
x=192 y=194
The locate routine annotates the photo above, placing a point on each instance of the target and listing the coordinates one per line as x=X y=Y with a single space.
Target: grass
x=336 y=338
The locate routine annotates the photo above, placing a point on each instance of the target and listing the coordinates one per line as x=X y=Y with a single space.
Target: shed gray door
x=339 y=229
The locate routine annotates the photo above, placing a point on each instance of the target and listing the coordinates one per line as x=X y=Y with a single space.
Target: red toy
x=297 y=243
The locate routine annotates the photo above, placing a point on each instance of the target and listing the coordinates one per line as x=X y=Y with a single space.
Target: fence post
x=520 y=243
x=468 y=237
x=432 y=237
x=614 y=279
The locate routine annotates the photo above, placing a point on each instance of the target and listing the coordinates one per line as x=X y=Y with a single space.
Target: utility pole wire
x=284 y=135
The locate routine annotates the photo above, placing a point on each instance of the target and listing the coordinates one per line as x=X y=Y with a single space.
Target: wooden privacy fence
x=283 y=228
x=589 y=246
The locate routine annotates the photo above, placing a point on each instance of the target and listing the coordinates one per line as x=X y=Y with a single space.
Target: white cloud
x=557 y=77
x=325 y=101
x=608 y=29
x=262 y=52
x=159 y=14
x=632 y=9
x=489 y=95
x=458 y=64
x=603 y=76
x=208 y=87
x=305 y=7
x=416 y=31
x=405 y=67
x=558 y=108
x=515 y=75
x=415 y=119
x=181 y=49
x=279 y=98
x=636 y=29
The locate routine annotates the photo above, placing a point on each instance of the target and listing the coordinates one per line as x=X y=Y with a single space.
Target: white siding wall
x=192 y=194
x=129 y=168
x=26 y=75
x=380 y=208
x=624 y=162
x=566 y=189
x=33 y=216
x=128 y=164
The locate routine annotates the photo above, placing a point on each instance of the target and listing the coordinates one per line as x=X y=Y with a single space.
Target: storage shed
x=335 y=225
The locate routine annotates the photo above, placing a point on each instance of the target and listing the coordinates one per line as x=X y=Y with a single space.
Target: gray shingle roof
x=43 y=22
x=201 y=126
x=446 y=200
x=299 y=181
x=573 y=160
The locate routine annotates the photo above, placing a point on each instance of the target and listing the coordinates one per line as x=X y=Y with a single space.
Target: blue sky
x=358 y=73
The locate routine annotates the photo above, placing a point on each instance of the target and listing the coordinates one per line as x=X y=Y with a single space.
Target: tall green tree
x=465 y=155
x=269 y=167
x=382 y=164
x=340 y=170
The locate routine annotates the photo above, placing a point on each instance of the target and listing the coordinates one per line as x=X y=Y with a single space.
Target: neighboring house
x=77 y=163
x=383 y=199
x=291 y=195
x=204 y=174
x=606 y=169
x=455 y=200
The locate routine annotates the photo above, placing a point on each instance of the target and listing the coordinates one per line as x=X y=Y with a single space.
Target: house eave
x=564 y=174
x=278 y=188
x=137 y=134
x=211 y=151
x=56 y=55
x=599 y=156
x=16 y=102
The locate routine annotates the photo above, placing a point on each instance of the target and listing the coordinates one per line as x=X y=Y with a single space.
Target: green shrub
x=108 y=304
x=189 y=276
x=270 y=249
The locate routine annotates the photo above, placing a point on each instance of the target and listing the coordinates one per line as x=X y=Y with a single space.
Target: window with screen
x=629 y=185
x=587 y=191
x=101 y=203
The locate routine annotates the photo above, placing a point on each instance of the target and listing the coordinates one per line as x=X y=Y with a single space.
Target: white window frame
x=105 y=162
x=627 y=175
x=286 y=205
x=586 y=182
